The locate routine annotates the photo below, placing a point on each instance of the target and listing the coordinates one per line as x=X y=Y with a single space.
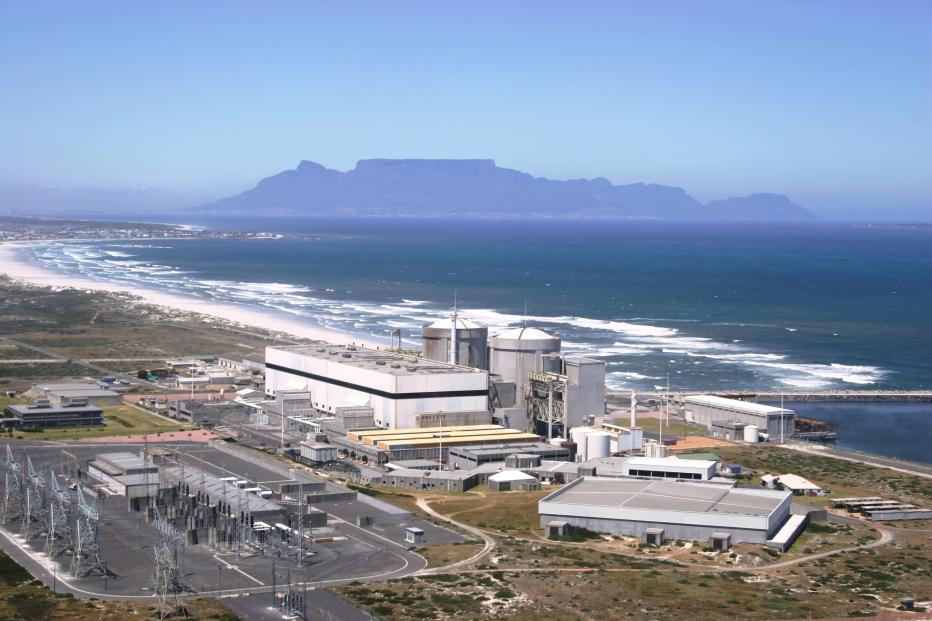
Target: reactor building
x=459 y=341
x=402 y=391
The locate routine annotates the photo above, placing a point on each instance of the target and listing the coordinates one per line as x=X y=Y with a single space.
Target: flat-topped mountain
x=479 y=188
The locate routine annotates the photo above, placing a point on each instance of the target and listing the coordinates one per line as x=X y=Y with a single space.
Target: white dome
x=524 y=334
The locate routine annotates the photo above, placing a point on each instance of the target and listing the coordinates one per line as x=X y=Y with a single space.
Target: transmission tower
x=59 y=526
x=34 y=513
x=13 y=493
x=86 y=559
x=166 y=583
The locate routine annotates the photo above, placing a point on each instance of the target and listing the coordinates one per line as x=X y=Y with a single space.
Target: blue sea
x=725 y=306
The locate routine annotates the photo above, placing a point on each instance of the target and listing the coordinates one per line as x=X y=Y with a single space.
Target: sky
x=827 y=101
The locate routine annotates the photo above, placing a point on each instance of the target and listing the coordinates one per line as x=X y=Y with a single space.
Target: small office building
x=43 y=415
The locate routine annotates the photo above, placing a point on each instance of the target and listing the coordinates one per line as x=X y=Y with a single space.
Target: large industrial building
x=402 y=391
x=718 y=412
x=693 y=511
x=381 y=446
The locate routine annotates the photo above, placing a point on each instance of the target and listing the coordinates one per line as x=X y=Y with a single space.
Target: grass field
x=119 y=420
x=844 y=478
x=24 y=599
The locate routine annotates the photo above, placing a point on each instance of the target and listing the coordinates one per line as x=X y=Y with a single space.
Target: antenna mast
x=453 y=356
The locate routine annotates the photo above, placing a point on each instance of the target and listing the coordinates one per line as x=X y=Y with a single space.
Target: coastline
x=15 y=266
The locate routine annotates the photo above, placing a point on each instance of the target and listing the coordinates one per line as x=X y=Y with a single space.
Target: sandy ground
x=16 y=267
x=198 y=435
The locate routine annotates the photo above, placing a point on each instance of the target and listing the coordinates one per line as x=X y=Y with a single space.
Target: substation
x=169 y=521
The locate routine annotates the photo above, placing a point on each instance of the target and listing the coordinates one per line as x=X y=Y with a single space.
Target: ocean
x=895 y=429
x=723 y=306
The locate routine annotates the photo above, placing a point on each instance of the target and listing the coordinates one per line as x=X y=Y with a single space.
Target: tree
x=142 y=374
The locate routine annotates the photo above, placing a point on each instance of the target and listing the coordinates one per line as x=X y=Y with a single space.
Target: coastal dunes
x=18 y=267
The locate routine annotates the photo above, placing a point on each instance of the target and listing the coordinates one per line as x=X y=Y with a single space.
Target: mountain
x=479 y=188
x=33 y=199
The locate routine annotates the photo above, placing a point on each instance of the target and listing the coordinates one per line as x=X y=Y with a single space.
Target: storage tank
x=578 y=436
x=472 y=342
x=751 y=434
x=598 y=445
x=517 y=352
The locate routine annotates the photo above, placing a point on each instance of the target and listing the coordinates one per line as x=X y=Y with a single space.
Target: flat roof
x=365 y=435
x=389 y=445
x=673 y=496
x=29 y=408
x=734 y=404
x=672 y=462
x=444 y=475
x=444 y=435
x=509 y=448
x=100 y=392
x=383 y=361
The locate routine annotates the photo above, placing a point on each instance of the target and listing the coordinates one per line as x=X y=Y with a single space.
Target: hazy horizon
x=827 y=103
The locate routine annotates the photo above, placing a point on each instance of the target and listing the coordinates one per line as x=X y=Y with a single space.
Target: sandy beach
x=17 y=267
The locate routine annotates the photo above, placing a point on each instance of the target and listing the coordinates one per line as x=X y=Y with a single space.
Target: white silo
x=472 y=342
x=598 y=445
x=751 y=434
x=578 y=435
x=519 y=351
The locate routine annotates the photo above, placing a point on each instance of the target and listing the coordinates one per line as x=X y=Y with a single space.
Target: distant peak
x=425 y=163
x=309 y=165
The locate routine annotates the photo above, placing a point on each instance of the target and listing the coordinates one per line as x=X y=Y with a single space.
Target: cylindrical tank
x=598 y=445
x=751 y=434
x=517 y=352
x=472 y=341
x=578 y=435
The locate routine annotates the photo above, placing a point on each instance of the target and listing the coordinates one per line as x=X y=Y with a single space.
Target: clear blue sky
x=827 y=101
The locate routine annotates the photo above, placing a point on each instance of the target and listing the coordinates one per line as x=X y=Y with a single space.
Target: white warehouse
x=402 y=391
x=710 y=410
x=678 y=510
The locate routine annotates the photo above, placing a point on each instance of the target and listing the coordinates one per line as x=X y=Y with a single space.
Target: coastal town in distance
x=485 y=311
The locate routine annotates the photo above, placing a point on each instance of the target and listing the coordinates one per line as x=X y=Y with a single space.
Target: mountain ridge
x=478 y=188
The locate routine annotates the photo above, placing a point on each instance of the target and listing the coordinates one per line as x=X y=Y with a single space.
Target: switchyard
x=219 y=522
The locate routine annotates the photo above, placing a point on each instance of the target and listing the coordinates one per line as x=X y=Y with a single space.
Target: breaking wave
x=647 y=348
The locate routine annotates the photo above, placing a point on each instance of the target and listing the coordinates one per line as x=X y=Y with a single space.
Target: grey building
x=78 y=392
x=709 y=409
x=692 y=511
x=468 y=457
x=43 y=415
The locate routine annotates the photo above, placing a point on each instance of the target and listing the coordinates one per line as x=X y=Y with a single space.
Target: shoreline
x=16 y=267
